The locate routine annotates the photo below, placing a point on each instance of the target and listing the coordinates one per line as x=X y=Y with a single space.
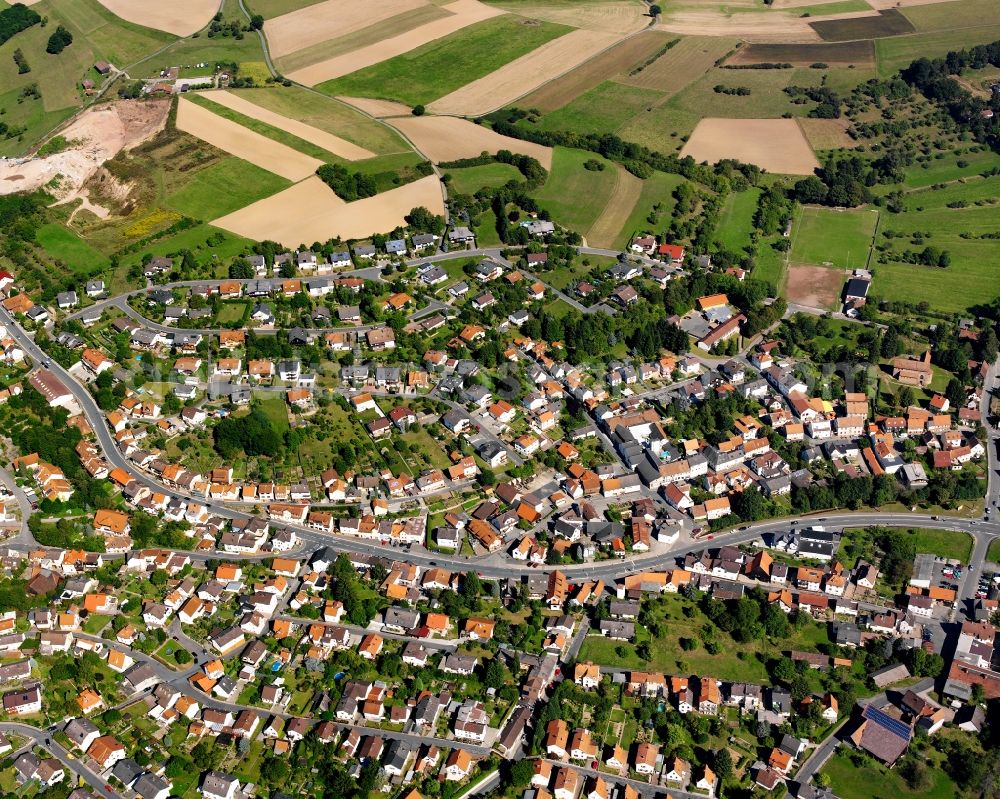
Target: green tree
x=59 y=41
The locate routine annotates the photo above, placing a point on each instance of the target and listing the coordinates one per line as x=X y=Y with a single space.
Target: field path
x=329 y=142
x=525 y=74
x=244 y=143
x=463 y=13
x=625 y=194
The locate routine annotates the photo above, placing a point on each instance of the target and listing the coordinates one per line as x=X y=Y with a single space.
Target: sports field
x=440 y=67
x=833 y=237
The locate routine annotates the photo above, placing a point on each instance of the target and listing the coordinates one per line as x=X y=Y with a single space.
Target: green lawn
x=63 y=244
x=486 y=230
x=736 y=222
x=224 y=187
x=468 y=180
x=231 y=312
x=438 y=68
x=275 y=410
x=574 y=195
x=853 y=782
x=828 y=237
x=993 y=553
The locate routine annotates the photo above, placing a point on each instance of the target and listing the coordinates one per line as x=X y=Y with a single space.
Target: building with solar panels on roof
x=881 y=735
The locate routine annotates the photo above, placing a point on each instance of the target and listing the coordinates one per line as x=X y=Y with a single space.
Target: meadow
x=736 y=222
x=438 y=68
x=61 y=243
x=223 y=187
x=606 y=107
x=573 y=194
x=897 y=52
x=657 y=192
x=275 y=8
x=468 y=180
x=873 y=779
x=827 y=237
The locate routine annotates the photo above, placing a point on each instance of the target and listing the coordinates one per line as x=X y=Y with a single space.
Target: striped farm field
x=321 y=138
x=860 y=52
x=524 y=74
x=450 y=138
x=246 y=144
x=618 y=16
x=683 y=63
x=621 y=58
x=622 y=199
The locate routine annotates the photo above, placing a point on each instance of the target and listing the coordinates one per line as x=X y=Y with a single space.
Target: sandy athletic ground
x=243 y=143
x=309 y=211
x=448 y=138
x=102 y=131
x=814 y=286
x=179 y=17
x=524 y=74
x=328 y=20
x=776 y=145
x=464 y=13
x=329 y=142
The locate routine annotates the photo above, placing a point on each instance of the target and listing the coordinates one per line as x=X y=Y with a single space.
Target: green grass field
x=328 y=114
x=224 y=187
x=603 y=109
x=836 y=7
x=486 y=230
x=66 y=246
x=573 y=194
x=970 y=279
x=852 y=782
x=950 y=166
x=736 y=222
x=949 y=16
x=970 y=191
x=433 y=70
x=657 y=191
x=993 y=553
x=836 y=238
x=944 y=543
x=274 y=408
x=469 y=180
x=896 y=52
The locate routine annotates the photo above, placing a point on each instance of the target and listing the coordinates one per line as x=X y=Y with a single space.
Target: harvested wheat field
x=380 y=109
x=770 y=27
x=524 y=74
x=100 y=134
x=179 y=17
x=328 y=20
x=827 y=134
x=333 y=144
x=243 y=143
x=462 y=14
x=814 y=286
x=776 y=145
x=624 y=56
x=449 y=138
x=621 y=201
x=619 y=16
x=309 y=211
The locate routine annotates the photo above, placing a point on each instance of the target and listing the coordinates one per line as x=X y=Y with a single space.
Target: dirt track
x=309 y=211
x=179 y=17
x=102 y=132
x=524 y=74
x=448 y=138
x=814 y=286
x=330 y=19
x=329 y=142
x=464 y=13
x=244 y=143
x=777 y=145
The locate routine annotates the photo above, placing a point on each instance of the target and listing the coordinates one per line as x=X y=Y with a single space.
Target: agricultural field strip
x=777 y=145
x=624 y=195
x=246 y=144
x=321 y=138
x=463 y=13
x=309 y=211
x=330 y=19
x=179 y=17
x=450 y=138
x=524 y=74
